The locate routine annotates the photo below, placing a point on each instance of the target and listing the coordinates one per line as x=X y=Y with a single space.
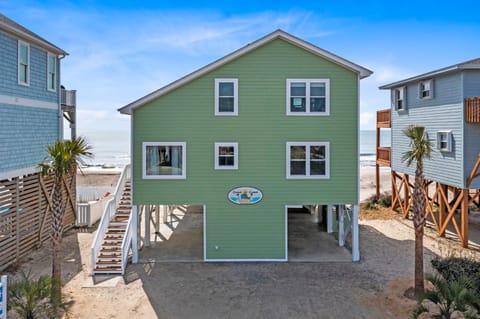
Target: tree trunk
x=57 y=230
x=419 y=223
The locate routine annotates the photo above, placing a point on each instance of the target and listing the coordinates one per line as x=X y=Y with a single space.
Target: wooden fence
x=26 y=212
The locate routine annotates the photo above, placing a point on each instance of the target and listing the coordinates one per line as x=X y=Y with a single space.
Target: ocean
x=113 y=147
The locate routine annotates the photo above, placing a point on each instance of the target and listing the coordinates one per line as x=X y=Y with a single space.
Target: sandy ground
x=372 y=288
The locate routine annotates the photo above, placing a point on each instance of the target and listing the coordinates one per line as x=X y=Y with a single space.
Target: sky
x=120 y=51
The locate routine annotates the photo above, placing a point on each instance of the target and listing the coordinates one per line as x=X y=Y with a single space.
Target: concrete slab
x=309 y=242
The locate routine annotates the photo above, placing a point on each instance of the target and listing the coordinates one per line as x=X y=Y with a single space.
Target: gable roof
x=467 y=65
x=278 y=34
x=11 y=27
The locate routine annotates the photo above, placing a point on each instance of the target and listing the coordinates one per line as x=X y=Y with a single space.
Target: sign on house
x=245 y=195
x=3 y=297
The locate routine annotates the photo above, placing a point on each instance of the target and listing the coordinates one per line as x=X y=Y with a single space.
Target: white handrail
x=127 y=241
x=108 y=214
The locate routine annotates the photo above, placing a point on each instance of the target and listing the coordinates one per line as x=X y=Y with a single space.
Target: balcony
x=472 y=109
x=383 y=156
x=383 y=119
x=68 y=98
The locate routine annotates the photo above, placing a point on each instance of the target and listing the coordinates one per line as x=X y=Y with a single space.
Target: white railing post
x=3 y=297
x=330 y=219
x=134 y=230
x=355 y=235
x=341 y=226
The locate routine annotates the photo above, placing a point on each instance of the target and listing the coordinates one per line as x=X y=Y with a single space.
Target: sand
x=372 y=288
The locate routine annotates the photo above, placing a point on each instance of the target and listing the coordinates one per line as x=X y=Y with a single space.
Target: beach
x=371 y=288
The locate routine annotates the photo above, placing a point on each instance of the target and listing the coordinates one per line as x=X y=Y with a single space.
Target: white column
x=148 y=215
x=341 y=227
x=330 y=219
x=157 y=219
x=355 y=235
x=135 y=234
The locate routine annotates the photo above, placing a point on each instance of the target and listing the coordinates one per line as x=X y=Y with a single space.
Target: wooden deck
x=472 y=110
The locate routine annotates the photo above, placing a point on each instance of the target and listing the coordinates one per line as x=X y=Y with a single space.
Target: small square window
x=425 y=89
x=226 y=97
x=399 y=100
x=226 y=155
x=444 y=141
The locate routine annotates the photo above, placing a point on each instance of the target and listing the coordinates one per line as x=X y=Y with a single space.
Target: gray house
x=447 y=103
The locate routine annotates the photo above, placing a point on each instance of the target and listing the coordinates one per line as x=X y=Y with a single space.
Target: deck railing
x=68 y=97
x=127 y=241
x=89 y=213
x=108 y=213
x=472 y=110
x=383 y=118
x=383 y=156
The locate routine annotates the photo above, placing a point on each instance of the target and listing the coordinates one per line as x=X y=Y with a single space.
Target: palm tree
x=62 y=160
x=420 y=149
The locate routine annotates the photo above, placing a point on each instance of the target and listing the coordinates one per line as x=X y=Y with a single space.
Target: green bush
x=454 y=268
x=384 y=200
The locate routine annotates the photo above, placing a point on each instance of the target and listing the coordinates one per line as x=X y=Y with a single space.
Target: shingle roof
x=278 y=34
x=467 y=65
x=11 y=27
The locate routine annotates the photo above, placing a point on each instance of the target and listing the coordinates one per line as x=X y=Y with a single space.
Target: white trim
x=204 y=232
x=430 y=90
x=20 y=101
x=235 y=96
x=449 y=147
x=286 y=229
x=308 y=160
x=27 y=82
x=307 y=111
x=279 y=34
x=135 y=233
x=235 y=155
x=184 y=160
x=19 y=172
x=50 y=55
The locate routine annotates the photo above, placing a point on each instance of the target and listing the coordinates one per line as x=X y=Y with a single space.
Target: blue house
x=447 y=103
x=33 y=106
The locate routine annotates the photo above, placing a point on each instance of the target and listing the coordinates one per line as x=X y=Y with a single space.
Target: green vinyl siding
x=261 y=130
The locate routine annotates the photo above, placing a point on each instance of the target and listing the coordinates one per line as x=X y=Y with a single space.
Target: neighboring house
x=447 y=103
x=274 y=123
x=32 y=108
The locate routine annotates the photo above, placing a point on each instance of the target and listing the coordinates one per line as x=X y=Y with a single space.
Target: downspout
x=59 y=91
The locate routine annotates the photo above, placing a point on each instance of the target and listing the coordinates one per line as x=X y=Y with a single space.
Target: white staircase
x=110 y=256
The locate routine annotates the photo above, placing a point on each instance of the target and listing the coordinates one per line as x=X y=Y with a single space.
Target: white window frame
x=49 y=56
x=307 y=96
x=448 y=135
x=235 y=155
x=421 y=84
x=307 y=162
x=217 y=96
x=27 y=82
x=403 y=91
x=144 y=160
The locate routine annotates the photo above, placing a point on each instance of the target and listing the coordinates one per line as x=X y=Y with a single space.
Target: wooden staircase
x=109 y=258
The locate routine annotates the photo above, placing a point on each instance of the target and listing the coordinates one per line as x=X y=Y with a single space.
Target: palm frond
x=421 y=146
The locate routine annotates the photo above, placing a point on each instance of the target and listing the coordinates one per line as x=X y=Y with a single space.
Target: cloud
x=366 y=119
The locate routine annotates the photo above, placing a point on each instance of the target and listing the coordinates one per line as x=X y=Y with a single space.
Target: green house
x=270 y=126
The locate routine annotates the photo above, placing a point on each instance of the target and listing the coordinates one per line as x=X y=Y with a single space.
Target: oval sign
x=245 y=195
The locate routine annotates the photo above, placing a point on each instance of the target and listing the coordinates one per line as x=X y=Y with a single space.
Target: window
x=23 y=63
x=164 y=160
x=226 y=96
x=51 y=72
x=308 y=97
x=399 y=100
x=226 y=155
x=308 y=160
x=444 y=141
x=425 y=89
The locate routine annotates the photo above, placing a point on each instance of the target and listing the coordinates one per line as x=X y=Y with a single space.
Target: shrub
x=384 y=200
x=454 y=268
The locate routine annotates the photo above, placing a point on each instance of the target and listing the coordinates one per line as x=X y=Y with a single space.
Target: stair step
x=111 y=245
x=109 y=255
x=110 y=249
